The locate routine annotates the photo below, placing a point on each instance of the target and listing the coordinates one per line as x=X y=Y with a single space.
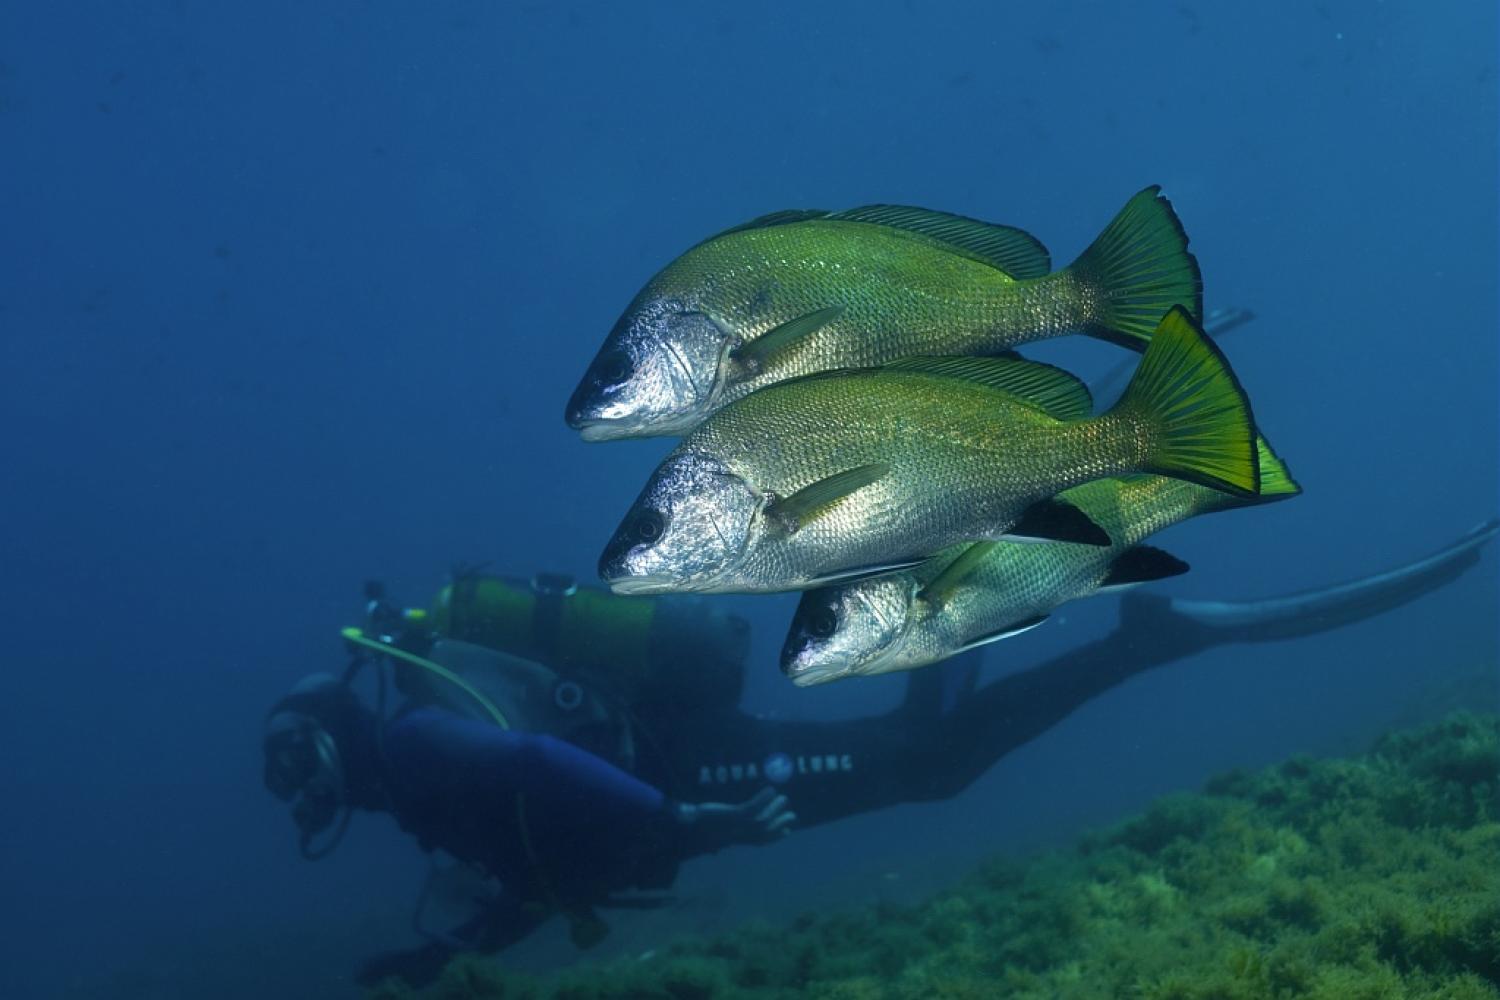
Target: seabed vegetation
x=1369 y=878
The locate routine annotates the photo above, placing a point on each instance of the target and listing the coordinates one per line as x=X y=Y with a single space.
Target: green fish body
x=976 y=593
x=850 y=473
x=806 y=292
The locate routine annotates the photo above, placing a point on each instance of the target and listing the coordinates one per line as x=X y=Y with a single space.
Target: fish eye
x=648 y=526
x=824 y=622
x=612 y=367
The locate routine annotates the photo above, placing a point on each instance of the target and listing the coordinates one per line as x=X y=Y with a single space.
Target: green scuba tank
x=655 y=651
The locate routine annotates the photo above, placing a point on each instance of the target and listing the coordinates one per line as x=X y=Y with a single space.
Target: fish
x=977 y=593
x=799 y=292
x=851 y=473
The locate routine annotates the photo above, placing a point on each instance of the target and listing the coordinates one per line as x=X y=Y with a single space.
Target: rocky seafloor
x=1369 y=878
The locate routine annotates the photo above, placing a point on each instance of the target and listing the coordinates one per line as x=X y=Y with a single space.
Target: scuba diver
x=576 y=746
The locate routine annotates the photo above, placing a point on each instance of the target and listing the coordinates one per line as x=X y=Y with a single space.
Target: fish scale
x=809 y=292
x=857 y=470
x=923 y=615
x=965 y=460
x=1025 y=581
x=901 y=294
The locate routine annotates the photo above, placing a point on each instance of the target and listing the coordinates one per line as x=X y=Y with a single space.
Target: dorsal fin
x=942 y=586
x=781 y=218
x=1014 y=251
x=1057 y=393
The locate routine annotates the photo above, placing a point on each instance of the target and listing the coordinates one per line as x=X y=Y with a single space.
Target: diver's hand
x=760 y=819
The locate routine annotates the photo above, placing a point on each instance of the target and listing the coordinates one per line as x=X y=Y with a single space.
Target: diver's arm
x=486 y=766
x=495 y=764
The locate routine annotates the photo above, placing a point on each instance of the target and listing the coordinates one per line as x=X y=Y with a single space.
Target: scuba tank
x=657 y=653
x=529 y=696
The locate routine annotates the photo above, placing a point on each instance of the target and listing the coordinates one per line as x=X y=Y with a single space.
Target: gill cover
x=850 y=630
x=657 y=373
x=690 y=525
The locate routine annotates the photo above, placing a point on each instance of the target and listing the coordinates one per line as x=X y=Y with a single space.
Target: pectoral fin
x=1054 y=520
x=797 y=510
x=943 y=586
x=757 y=352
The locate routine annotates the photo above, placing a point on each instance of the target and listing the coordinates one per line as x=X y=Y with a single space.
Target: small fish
x=807 y=291
x=846 y=474
x=976 y=593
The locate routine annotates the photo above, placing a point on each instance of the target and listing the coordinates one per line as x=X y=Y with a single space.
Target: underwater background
x=293 y=295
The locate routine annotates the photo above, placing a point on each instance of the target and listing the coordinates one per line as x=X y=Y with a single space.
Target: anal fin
x=1054 y=520
x=1005 y=632
x=1141 y=564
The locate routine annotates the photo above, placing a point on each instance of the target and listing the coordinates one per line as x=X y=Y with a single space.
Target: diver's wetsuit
x=591 y=829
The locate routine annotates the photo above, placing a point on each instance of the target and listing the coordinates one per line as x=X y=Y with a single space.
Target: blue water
x=293 y=294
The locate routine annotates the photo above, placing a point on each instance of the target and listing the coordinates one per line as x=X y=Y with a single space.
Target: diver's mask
x=303 y=767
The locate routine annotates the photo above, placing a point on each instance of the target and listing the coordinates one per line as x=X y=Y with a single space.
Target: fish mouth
x=802 y=671
x=650 y=583
x=584 y=416
x=597 y=430
x=808 y=676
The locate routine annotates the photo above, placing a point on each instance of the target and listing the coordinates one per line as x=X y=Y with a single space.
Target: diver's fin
x=1141 y=564
x=1015 y=628
x=1138 y=268
x=1060 y=394
x=1220 y=321
x=1193 y=410
x=757 y=351
x=942 y=586
x=1014 y=251
x=811 y=500
x=1319 y=610
x=1054 y=520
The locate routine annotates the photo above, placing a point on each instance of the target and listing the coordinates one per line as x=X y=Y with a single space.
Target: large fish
x=843 y=474
x=975 y=593
x=802 y=292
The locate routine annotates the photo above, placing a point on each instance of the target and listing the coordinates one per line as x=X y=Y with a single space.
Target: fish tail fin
x=1276 y=482
x=1136 y=270
x=1190 y=412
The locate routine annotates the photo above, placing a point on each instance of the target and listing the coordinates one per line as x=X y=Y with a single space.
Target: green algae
x=1370 y=877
